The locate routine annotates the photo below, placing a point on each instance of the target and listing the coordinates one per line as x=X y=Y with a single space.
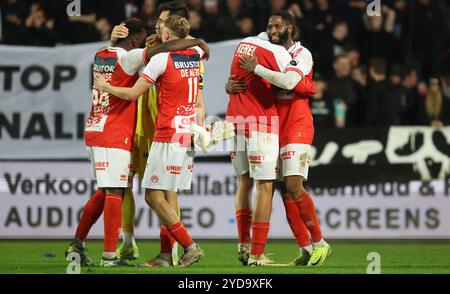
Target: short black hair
x=135 y=26
x=174 y=8
x=285 y=16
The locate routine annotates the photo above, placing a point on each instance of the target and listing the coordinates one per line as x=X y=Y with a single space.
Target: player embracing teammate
x=170 y=162
x=110 y=131
x=293 y=80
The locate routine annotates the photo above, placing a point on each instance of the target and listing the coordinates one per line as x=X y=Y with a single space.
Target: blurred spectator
x=341 y=88
x=426 y=32
x=227 y=23
x=39 y=28
x=148 y=13
x=321 y=106
x=245 y=24
x=381 y=103
x=406 y=102
x=104 y=28
x=434 y=110
x=353 y=55
x=360 y=79
x=332 y=46
x=378 y=39
x=13 y=15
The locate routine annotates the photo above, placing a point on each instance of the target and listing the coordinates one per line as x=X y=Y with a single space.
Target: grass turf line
x=221 y=258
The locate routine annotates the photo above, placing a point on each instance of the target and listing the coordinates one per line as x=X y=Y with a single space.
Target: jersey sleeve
x=156 y=67
x=305 y=87
x=132 y=61
x=302 y=63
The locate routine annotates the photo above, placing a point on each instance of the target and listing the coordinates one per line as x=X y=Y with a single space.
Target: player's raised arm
x=125 y=93
x=119 y=32
x=176 y=45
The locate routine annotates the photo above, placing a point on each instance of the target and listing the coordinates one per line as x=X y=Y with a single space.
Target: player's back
x=258 y=100
x=178 y=76
x=112 y=120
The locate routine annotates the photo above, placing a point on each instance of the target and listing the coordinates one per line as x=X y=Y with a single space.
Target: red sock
x=112 y=219
x=91 y=212
x=308 y=213
x=259 y=240
x=244 y=222
x=296 y=223
x=167 y=241
x=179 y=232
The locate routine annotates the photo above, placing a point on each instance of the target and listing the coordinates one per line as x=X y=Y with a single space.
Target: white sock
x=165 y=256
x=109 y=255
x=308 y=249
x=192 y=247
x=128 y=239
x=321 y=243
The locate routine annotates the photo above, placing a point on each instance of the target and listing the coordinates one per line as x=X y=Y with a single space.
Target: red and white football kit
x=170 y=162
x=296 y=121
x=253 y=111
x=110 y=128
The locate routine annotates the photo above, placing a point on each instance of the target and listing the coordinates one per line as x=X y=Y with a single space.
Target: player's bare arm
x=125 y=93
x=234 y=86
x=176 y=45
x=287 y=80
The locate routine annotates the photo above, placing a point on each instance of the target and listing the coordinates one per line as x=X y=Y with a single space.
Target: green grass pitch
x=220 y=258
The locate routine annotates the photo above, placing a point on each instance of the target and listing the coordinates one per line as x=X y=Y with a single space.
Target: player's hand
x=234 y=86
x=248 y=63
x=119 y=32
x=152 y=40
x=100 y=82
x=204 y=46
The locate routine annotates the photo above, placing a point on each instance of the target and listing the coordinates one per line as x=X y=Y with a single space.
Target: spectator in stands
x=434 y=110
x=332 y=46
x=360 y=80
x=226 y=23
x=13 y=15
x=381 y=103
x=426 y=29
x=104 y=29
x=406 y=103
x=341 y=89
x=148 y=13
x=245 y=24
x=321 y=105
x=353 y=55
x=39 y=29
x=378 y=39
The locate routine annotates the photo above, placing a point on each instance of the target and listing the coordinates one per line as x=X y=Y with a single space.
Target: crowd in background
x=392 y=69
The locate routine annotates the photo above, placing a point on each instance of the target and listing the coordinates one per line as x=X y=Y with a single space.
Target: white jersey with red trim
x=112 y=121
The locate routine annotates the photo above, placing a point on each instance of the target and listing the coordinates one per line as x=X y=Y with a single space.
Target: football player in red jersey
x=296 y=136
x=255 y=154
x=109 y=137
x=177 y=75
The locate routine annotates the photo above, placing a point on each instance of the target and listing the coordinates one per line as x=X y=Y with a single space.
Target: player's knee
x=245 y=182
x=155 y=203
x=264 y=186
x=293 y=188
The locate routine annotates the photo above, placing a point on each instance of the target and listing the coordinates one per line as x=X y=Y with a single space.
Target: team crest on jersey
x=154 y=179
